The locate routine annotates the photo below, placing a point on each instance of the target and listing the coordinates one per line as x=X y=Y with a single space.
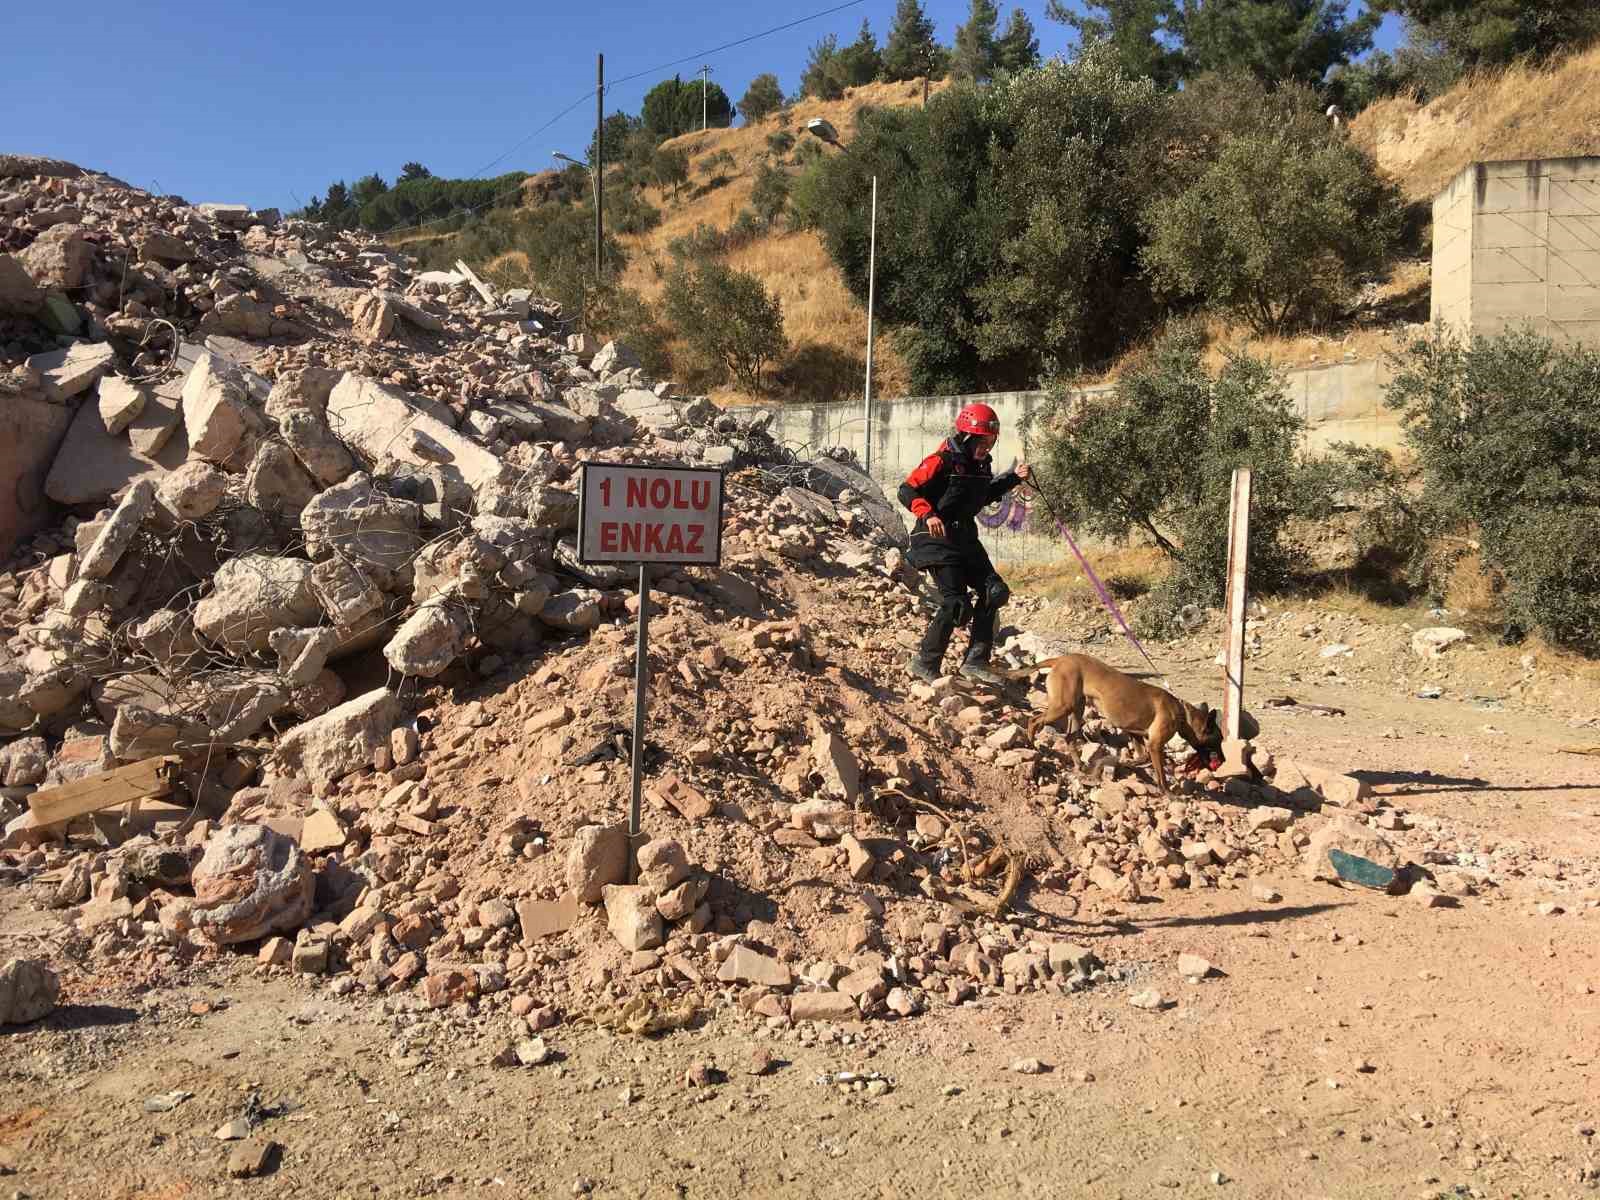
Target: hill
x=1518 y=112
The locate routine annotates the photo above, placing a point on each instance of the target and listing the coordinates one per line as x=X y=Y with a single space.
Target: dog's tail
x=1023 y=672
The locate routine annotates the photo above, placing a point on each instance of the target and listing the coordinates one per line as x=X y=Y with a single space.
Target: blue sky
x=265 y=104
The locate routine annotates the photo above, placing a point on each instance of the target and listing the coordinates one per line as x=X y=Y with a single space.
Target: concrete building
x=1519 y=242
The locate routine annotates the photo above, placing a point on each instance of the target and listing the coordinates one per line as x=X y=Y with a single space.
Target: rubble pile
x=299 y=661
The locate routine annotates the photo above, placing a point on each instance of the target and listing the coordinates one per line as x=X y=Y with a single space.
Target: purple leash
x=1100 y=588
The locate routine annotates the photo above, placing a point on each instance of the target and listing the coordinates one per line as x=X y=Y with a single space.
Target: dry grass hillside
x=826 y=326
x=1519 y=112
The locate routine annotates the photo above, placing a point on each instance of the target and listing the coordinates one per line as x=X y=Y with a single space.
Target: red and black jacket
x=957 y=487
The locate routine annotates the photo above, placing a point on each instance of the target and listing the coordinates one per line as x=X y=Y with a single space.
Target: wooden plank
x=478 y=285
x=142 y=780
x=1238 y=545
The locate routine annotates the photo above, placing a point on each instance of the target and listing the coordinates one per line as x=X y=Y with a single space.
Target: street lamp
x=819 y=128
x=594 y=178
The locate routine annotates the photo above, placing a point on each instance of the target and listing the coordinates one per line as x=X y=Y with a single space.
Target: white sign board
x=647 y=513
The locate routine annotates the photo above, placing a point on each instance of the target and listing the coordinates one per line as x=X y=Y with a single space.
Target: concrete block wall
x=1533 y=249
x=1341 y=402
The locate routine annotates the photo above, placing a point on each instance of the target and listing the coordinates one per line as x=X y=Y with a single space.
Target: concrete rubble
x=302 y=518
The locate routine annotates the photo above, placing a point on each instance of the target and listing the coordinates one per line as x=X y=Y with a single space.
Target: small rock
x=250 y=1158
x=1029 y=1066
x=1192 y=966
x=533 y=1052
x=233 y=1131
x=1150 y=1000
x=29 y=990
x=1265 y=894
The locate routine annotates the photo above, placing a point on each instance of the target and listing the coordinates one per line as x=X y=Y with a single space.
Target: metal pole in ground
x=1238 y=548
x=705 y=84
x=598 y=167
x=872 y=285
x=641 y=682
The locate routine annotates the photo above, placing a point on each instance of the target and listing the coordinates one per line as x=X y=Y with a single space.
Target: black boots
x=921 y=668
x=976 y=666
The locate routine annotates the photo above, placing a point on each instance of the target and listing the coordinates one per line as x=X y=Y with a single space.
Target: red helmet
x=979 y=419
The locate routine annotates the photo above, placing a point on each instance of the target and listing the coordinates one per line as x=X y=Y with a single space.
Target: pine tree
x=975 y=42
x=910 y=42
x=1140 y=33
x=1018 y=47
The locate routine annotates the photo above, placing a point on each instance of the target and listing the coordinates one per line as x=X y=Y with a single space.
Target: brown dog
x=1127 y=703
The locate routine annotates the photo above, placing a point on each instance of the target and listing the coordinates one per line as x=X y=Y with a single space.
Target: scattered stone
x=1150 y=1000
x=251 y=1157
x=1193 y=966
x=1029 y=1066
x=29 y=990
x=533 y=1052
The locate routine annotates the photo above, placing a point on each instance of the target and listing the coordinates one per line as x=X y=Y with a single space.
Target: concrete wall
x=1533 y=253
x=1451 y=302
x=1341 y=402
x=30 y=432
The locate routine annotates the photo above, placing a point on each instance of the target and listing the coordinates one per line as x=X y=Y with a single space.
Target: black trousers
x=968 y=585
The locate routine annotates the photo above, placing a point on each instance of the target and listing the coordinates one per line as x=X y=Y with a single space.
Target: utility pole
x=927 y=75
x=705 y=74
x=599 y=164
x=872 y=287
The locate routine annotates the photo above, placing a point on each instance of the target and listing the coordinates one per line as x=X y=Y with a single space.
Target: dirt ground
x=1349 y=1043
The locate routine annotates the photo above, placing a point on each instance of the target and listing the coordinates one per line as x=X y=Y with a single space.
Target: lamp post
x=594 y=179
x=820 y=128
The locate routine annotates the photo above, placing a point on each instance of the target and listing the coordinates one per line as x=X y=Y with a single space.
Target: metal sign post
x=647 y=513
x=1238 y=545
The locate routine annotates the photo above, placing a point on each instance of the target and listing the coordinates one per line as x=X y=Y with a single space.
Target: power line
x=827 y=12
x=701 y=54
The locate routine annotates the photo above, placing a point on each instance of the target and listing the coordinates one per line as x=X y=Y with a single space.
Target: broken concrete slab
x=91 y=465
x=120 y=401
x=193 y=490
x=251 y=596
x=216 y=399
x=18 y=293
x=302 y=653
x=69 y=372
x=117 y=534
x=356 y=521
x=31 y=433
x=58 y=258
x=430 y=639
x=276 y=482
x=376 y=420
x=340 y=741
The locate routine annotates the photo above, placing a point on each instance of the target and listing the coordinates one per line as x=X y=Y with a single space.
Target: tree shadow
x=818 y=374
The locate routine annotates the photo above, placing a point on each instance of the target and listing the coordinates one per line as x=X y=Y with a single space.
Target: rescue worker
x=945 y=493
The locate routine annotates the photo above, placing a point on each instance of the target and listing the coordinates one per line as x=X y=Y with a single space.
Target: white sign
x=644 y=513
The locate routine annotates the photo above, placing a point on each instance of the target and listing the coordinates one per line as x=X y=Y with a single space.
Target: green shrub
x=1156 y=459
x=722 y=160
x=761 y=99
x=780 y=143
x=1013 y=250
x=1506 y=432
x=770 y=193
x=621 y=313
x=702 y=242
x=1280 y=225
x=727 y=318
